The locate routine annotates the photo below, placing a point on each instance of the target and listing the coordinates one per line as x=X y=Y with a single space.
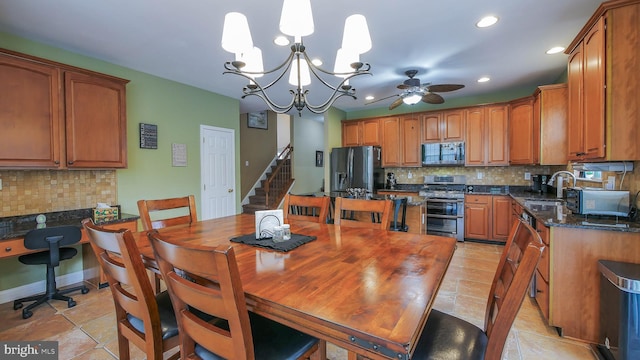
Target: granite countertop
x=562 y=217
x=18 y=226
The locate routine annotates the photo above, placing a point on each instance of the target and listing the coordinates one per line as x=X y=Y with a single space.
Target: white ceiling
x=180 y=40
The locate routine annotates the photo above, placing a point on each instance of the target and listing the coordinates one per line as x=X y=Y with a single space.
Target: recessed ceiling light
x=316 y=62
x=281 y=40
x=555 y=50
x=487 y=21
x=369 y=97
x=484 y=79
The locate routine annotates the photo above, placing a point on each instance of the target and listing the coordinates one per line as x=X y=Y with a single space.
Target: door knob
x=230 y=190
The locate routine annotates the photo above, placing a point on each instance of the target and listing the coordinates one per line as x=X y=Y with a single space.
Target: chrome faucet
x=553 y=177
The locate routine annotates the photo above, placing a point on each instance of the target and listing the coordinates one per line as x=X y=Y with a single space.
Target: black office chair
x=53 y=239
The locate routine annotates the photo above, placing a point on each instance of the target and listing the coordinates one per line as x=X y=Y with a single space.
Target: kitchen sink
x=542 y=205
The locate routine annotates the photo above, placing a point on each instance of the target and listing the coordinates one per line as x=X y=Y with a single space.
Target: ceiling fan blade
x=444 y=87
x=395 y=104
x=384 y=98
x=431 y=98
x=403 y=86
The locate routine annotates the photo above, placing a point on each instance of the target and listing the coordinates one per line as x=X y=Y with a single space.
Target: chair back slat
x=194 y=276
x=517 y=265
x=357 y=212
x=161 y=207
x=306 y=208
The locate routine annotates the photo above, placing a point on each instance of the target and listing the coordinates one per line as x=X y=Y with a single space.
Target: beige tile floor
x=87 y=331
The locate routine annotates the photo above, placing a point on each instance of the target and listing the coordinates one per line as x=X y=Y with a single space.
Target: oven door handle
x=444 y=216
x=445 y=200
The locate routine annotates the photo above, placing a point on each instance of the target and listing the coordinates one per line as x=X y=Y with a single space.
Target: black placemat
x=284 y=246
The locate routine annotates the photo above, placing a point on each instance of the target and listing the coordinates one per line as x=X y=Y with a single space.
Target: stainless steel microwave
x=449 y=153
x=597 y=202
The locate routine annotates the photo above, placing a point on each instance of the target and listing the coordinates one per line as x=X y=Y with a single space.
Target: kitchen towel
x=296 y=240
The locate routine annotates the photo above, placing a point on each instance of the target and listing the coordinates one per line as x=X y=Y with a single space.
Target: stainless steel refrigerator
x=356 y=167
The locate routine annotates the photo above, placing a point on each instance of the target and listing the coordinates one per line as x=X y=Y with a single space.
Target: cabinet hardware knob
x=7 y=249
x=57 y=162
x=70 y=162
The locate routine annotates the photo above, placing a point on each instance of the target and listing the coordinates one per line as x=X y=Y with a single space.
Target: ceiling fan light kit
x=296 y=20
x=413 y=91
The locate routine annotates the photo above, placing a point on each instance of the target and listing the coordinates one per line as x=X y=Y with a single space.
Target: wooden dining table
x=368 y=291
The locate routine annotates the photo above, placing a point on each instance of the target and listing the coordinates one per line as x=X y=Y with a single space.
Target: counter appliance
x=595 y=201
x=356 y=167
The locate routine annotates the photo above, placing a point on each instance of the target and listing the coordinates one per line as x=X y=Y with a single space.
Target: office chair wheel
x=26 y=314
x=85 y=290
x=71 y=303
x=17 y=306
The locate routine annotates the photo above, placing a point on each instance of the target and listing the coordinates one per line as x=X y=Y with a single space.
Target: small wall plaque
x=179 y=154
x=148 y=136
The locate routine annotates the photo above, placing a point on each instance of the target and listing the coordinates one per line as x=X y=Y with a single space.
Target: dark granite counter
x=411 y=200
x=18 y=226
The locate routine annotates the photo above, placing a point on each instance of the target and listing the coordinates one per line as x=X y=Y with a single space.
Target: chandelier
x=296 y=20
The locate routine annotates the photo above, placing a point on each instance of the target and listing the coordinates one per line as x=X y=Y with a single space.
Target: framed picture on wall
x=257 y=120
x=319 y=158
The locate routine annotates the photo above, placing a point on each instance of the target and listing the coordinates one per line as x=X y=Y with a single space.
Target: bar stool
x=399 y=202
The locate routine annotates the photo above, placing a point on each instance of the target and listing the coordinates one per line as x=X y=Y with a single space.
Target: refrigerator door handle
x=350 y=168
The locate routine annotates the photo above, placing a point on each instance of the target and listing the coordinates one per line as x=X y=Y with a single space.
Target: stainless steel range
x=445 y=205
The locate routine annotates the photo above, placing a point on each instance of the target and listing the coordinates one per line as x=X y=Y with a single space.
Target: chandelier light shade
x=296 y=20
x=356 y=36
x=236 y=36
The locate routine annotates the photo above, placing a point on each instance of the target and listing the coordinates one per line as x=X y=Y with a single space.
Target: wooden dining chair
x=163 y=206
x=307 y=208
x=362 y=213
x=142 y=318
x=210 y=305
x=448 y=337
x=181 y=210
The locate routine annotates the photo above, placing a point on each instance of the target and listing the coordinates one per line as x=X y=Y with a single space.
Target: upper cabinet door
x=497 y=119
x=431 y=127
x=453 y=125
x=593 y=104
x=523 y=140
x=351 y=133
x=475 y=144
x=30 y=114
x=96 y=125
x=371 y=132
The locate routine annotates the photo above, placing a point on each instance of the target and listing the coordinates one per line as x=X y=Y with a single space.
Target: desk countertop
x=18 y=226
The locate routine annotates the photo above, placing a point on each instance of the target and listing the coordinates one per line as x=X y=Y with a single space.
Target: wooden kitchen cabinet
x=361 y=132
x=443 y=126
x=487 y=217
x=96 y=122
x=524 y=132
x=500 y=217
x=486 y=141
x=31 y=116
x=550 y=110
x=57 y=116
x=401 y=141
x=477 y=216
x=603 y=67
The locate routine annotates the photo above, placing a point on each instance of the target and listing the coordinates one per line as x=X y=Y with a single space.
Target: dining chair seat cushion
x=271 y=341
x=43 y=257
x=448 y=337
x=167 y=317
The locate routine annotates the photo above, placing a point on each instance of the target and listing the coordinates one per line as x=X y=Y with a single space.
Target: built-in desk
x=13 y=229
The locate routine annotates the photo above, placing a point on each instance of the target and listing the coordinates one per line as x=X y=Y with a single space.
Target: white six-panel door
x=217 y=156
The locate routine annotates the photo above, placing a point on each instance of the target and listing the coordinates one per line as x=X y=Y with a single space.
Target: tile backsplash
x=35 y=191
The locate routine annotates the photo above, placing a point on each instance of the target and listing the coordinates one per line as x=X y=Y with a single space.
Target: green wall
x=307 y=138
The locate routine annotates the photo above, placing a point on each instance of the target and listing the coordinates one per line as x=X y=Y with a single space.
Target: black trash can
x=619 y=310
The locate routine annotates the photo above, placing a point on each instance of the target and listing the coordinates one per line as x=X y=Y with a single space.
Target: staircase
x=272 y=189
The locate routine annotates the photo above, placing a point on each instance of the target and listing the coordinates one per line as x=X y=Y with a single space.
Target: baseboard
x=39 y=287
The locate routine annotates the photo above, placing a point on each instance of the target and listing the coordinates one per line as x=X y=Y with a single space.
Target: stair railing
x=280 y=179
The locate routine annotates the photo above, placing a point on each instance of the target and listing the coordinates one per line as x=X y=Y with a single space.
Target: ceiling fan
x=414 y=92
